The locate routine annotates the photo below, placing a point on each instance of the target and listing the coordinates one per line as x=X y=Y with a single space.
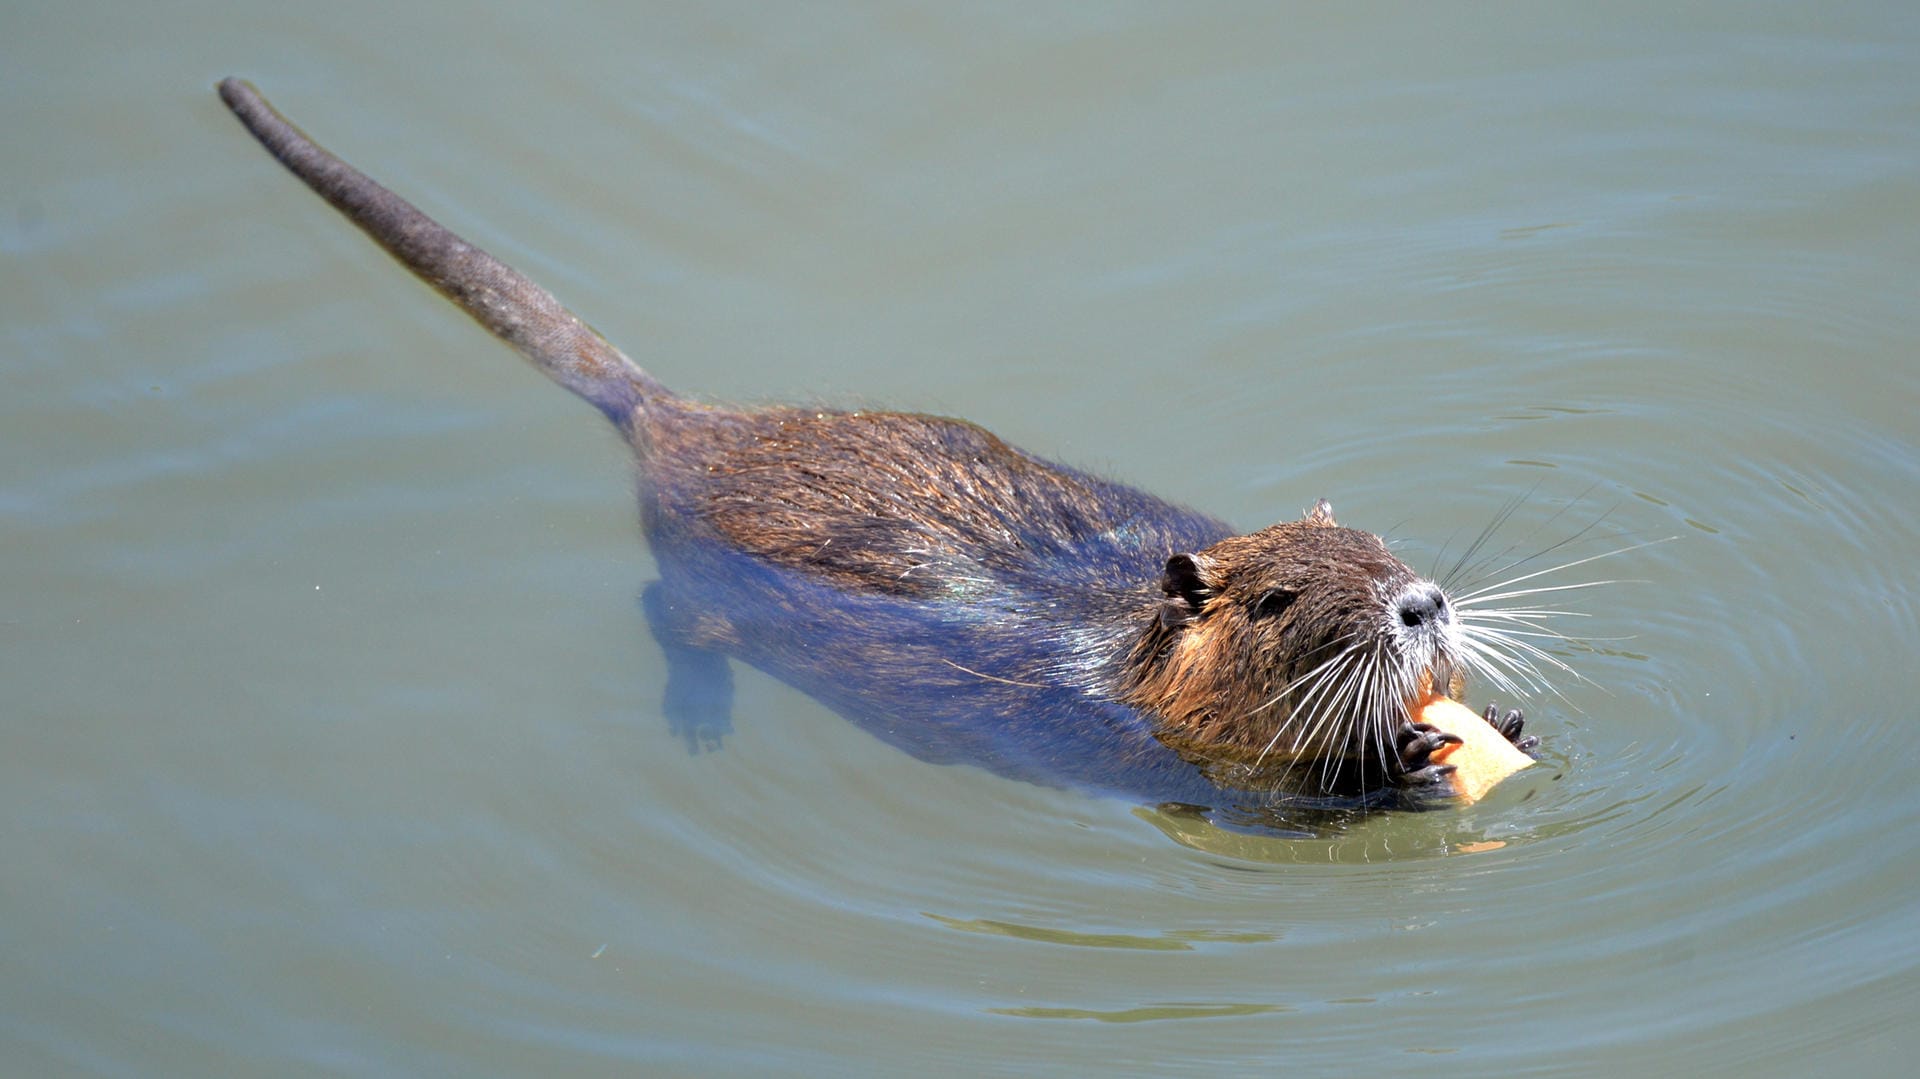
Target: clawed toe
x=1431 y=775
x=1416 y=743
x=1510 y=726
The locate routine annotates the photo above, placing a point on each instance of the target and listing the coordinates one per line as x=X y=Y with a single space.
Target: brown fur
x=899 y=503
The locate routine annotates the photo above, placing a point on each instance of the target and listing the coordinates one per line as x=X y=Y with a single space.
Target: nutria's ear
x=1186 y=591
x=1184 y=580
x=1322 y=515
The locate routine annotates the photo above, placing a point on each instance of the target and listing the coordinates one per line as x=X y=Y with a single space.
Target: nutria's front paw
x=1509 y=727
x=1415 y=743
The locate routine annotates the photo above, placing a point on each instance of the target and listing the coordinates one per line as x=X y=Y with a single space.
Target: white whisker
x=1480 y=594
x=1482 y=663
x=1516 y=613
x=1315 y=682
x=1551 y=634
x=1513 y=640
x=1478 y=598
x=1308 y=677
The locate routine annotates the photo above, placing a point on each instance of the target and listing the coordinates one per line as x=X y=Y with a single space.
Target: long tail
x=518 y=311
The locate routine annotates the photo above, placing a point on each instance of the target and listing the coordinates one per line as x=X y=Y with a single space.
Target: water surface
x=332 y=740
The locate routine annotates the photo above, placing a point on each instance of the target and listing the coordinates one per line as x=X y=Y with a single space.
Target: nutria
x=968 y=601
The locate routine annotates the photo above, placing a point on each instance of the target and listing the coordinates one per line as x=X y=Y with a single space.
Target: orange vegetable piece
x=1483 y=757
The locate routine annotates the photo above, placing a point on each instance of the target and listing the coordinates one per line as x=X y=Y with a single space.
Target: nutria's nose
x=1421 y=604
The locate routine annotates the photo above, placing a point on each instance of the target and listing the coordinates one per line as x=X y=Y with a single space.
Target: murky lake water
x=332 y=739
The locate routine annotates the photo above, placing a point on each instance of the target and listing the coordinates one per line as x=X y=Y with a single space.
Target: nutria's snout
x=1423 y=608
x=1427 y=638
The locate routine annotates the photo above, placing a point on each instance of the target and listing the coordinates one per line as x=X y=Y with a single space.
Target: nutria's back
x=904 y=504
x=963 y=598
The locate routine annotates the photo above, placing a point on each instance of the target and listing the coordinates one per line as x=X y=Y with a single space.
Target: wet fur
x=955 y=595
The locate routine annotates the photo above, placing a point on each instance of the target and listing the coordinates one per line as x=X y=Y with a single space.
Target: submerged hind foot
x=698 y=699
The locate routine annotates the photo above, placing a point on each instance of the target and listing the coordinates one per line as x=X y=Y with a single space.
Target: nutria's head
x=1302 y=645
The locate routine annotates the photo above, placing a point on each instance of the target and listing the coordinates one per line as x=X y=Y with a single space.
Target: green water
x=331 y=740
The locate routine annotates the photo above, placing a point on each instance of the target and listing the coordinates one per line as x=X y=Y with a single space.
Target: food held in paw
x=1483 y=758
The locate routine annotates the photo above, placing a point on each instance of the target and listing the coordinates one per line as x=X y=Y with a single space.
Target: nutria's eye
x=1272 y=603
